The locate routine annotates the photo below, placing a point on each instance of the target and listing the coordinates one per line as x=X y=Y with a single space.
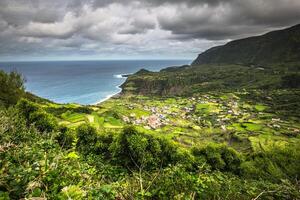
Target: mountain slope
x=271 y=61
x=274 y=47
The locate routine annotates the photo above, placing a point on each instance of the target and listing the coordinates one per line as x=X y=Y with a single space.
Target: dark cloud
x=230 y=19
x=135 y=27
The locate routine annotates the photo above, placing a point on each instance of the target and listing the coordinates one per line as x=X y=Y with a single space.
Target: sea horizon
x=86 y=82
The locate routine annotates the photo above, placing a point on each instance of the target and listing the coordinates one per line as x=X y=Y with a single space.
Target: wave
x=108 y=96
x=119 y=76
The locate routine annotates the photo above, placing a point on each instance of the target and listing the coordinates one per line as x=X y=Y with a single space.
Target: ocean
x=83 y=82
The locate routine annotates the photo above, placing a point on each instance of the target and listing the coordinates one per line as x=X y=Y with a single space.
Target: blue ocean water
x=83 y=82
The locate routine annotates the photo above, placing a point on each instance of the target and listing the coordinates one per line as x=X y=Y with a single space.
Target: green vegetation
x=213 y=77
x=11 y=89
x=202 y=132
x=274 y=47
x=220 y=144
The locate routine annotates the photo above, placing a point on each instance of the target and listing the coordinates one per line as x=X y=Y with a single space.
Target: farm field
x=229 y=118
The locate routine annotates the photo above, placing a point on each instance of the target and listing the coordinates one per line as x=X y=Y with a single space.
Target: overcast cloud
x=125 y=29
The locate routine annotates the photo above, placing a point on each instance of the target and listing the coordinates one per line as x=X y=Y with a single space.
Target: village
x=202 y=111
x=224 y=117
x=190 y=116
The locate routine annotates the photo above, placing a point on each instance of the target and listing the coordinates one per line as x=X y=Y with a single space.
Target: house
x=126 y=119
x=154 y=122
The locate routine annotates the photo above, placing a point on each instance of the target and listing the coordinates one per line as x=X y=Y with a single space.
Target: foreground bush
x=43 y=121
x=138 y=150
x=34 y=165
x=35 y=115
x=129 y=148
x=91 y=142
x=219 y=157
x=65 y=137
x=274 y=164
x=176 y=182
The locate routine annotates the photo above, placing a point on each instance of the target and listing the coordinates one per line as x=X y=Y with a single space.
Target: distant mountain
x=270 y=61
x=274 y=47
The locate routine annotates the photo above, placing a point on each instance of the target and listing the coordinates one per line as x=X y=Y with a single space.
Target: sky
x=133 y=29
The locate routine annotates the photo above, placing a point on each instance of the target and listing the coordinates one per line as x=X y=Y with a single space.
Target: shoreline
x=108 y=96
x=116 y=94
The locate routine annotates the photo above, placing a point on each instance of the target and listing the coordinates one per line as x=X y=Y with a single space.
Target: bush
x=12 y=88
x=43 y=121
x=274 y=164
x=72 y=192
x=87 y=138
x=34 y=115
x=13 y=128
x=26 y=107
x=89 y=141
x=138 y=150
x=219 y=157
x=83 y=109
x=176 y=183
x=131 y=148
x=65 y=137
x=104 y=140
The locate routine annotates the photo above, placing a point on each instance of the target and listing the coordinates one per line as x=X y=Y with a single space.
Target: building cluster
x=217 y=112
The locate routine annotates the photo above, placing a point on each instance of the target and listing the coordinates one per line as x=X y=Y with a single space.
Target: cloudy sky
x=133 y=29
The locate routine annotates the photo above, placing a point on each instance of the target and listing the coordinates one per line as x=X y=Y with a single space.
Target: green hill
x=274 y=47
x=271 y=61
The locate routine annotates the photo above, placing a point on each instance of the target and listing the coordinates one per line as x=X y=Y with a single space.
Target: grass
x=251 y=126
x=73 y=117
x=260 y=107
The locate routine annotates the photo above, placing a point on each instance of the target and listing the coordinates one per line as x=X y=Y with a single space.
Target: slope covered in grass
x=281 y=46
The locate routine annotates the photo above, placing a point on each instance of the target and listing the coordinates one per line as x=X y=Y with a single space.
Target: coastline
x=116 y=94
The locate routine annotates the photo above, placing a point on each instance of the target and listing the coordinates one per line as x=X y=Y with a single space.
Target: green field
x=191 y=120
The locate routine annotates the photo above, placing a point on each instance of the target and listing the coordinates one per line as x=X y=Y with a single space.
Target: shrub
x=83 y=109
x=138 y=150
x=89 y=141
x=43 y=121
x=34 y=115
x=87 y=138
x=104 y=140
x=65 y=137
x=72 y=192
x=219 y=157
x=274 y=164
x=176 y=183
x=26 y=107
x=13 y=123
x=12 y=88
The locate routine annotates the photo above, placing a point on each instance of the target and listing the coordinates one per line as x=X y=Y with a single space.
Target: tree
x=11 y=88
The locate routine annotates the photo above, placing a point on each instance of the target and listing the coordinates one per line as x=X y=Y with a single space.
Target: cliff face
x=274 y=47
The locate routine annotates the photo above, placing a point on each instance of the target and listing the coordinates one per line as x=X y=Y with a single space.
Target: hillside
x=280 y=46
x=186 y=81
x=271 y=61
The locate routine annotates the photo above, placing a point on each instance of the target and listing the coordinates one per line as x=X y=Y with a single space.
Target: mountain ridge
x=273 y=47
x=260 y=62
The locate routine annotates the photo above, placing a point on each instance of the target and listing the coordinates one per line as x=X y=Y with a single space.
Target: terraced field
x=231 y=118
